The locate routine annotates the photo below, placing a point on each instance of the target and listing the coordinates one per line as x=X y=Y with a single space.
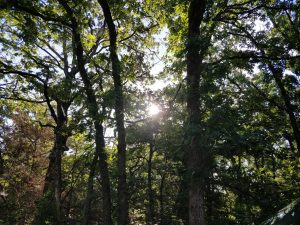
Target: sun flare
x=153 y=109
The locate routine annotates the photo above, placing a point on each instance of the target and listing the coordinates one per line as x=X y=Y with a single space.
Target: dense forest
x=148 y=111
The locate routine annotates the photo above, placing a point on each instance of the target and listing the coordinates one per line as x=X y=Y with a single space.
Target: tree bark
x=196 y=154
x=123 y=207
x=99 y=137
x=93 y=110
x=90 y=190
x=277 y=74
x=1 y=163
x=161 y=200
x=53 y=182
x=100 y=145
x=181 y=205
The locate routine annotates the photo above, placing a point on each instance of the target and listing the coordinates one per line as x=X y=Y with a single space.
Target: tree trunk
x=277 y=74
x=123 y=206
x=161 y=200
x=90 y=190
x=181 y=204
x=100 y=145
x=93 y=110
x=99 y=137
x=196 y=154
x=1 y=163
x=52 y=186
x=210 y=200
x=150 y=216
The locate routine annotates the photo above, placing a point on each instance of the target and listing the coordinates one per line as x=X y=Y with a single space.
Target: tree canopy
x=149 y=112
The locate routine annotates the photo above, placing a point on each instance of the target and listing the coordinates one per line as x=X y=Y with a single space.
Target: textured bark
x=196 y=154
x=99 y=137
x=93 y=110
x=122 y=211
x=100 y=145
x=52 y=186
x=90 y=190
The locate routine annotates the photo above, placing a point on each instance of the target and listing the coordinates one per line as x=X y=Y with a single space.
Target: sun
x=153 y=109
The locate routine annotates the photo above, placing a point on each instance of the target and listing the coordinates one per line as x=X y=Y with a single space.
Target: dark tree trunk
x=150 y=216
x=277 y=74
x=107 y=206
x=196 y=154
x=53 y=182
x=90 y=190
x=1 y=163
x=289 y=138
x=99 y=137
x=2 y=130
x=52 y=187
x=123 y=207
x=210 y=200
x=93 y=110
x=161 y=200
x=181 y=204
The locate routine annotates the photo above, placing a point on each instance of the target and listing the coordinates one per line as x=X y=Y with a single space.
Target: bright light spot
x=153 y=109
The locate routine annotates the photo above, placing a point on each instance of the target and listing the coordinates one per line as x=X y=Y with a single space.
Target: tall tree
x=197 y=155
x=123 y=218
x=93 y=109
x=63 y=93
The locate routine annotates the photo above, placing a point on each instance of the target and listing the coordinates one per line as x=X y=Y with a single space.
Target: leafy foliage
x=249 y=109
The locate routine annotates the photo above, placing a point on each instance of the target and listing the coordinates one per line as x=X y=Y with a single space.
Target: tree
x=223 y=149
x=196 y=154
x=119 y=108
x=63 y=93
x=93 y=111
x=25 y=149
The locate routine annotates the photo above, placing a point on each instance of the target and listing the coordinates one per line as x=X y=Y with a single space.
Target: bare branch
x=21 y=99
x=23 y=74
x=52 y=111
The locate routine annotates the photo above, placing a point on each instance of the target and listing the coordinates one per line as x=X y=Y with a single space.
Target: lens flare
x=153 y=109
